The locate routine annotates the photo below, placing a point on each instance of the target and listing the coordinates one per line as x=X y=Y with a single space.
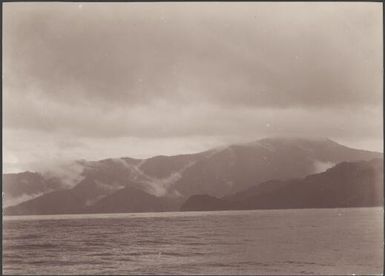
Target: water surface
x=308 y=241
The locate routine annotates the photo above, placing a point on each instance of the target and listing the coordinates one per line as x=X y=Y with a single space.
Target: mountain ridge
x=347 y=184
x=217 y=172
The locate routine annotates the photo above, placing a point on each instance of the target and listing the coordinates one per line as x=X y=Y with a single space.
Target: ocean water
x=308 y=241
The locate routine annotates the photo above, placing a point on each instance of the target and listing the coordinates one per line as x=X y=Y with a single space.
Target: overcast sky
x=99 y=80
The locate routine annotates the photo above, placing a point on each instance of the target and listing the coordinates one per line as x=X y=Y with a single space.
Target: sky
x=100 y=80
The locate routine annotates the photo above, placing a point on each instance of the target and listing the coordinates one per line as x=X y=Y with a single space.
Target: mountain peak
x=216 y=172
x=296 y=139
x=291 y=140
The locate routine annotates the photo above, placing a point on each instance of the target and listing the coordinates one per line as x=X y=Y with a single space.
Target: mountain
x=128 y=200
x=217 y=172
x=348 y=184
x=205 y=203
x=19 y=187
x=237 y=167
x=73 y=201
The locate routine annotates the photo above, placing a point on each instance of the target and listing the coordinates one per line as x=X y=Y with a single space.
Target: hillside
x=218 y=172
x=348 y=184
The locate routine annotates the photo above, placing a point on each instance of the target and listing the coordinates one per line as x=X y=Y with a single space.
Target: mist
x=94 y=81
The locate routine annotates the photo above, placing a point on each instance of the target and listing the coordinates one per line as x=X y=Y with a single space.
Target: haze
x=100 y=80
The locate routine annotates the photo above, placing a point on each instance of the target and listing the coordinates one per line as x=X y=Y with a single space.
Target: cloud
x=11 y=201
x=169 y=120
x=164 y=186
x=320 y=166
x=249 y=54
x=184 y=130
x=115 y=79
x=69 y=173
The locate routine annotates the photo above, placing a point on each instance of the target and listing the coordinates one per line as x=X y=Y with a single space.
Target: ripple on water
x=246 y=242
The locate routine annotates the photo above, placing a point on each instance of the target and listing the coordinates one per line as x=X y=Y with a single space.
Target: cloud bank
x=96 y=80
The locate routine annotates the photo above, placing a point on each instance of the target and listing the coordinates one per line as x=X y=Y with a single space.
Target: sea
x=259 y=242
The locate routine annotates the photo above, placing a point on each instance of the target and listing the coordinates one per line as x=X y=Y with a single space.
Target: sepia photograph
x=192 y=138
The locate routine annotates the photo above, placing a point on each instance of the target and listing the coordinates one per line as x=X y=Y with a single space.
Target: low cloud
x=69 y=173
x=320 y=166
x=162 y=186
x=11 y=201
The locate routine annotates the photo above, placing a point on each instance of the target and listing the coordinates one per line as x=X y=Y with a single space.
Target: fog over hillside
x=213 y=138
x=162 y=183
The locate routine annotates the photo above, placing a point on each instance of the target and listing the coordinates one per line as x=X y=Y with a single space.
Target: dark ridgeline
x=348 y=184
x=131 y=200
x=264 y=174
